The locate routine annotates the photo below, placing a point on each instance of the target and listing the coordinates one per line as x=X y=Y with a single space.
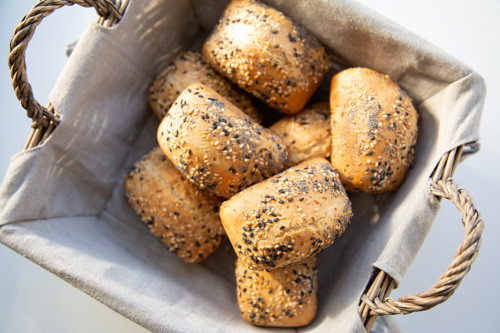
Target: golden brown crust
x=185 y=218
x=266 y=54
x=283 y=297
x=306 y=134
x=287 y=217
x=188 y=68
x=374 y=130
x=216 y=145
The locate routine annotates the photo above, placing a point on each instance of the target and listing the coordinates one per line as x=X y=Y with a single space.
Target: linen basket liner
x=62 y=203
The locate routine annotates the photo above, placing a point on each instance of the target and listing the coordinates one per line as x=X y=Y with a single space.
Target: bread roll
x=287 y=217
x=283 y=297
x=266 y=54
x=185 y=218
x=217 y=146
x=306 y=134
x=190 y=67
x=374 y=130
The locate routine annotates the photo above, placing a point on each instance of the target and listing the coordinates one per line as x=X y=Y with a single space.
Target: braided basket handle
x=450 y=280
x=40 y=115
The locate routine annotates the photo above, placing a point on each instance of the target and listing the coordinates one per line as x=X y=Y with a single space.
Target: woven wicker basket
x=374 y=301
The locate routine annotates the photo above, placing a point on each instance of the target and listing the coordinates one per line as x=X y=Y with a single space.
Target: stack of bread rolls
x=217 y=171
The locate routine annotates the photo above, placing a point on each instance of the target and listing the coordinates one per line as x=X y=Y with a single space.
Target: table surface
x=33 y=300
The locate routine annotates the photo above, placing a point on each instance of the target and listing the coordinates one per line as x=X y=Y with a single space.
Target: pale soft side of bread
x=188 y=68
x=306 y=134
x=287 y=217
x=374 y=130
x=216 y=145
x=266 y=54
x=283 y=297
x=184 y=217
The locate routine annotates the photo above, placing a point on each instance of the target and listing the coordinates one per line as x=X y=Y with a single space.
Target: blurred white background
x=33 y=300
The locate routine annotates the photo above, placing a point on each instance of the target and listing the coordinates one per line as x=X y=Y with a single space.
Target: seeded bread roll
x=188 y=68
x=287 y=217
x=306 y=134
x=374 y=130
x=266 y=54
x=217 y=146
x=283 y=297
x=185 y=218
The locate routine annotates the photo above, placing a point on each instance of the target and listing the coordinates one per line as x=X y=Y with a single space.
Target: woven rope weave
x=40 y=115
x=460 y=266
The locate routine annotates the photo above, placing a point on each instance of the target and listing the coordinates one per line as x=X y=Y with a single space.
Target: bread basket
x=376 y=281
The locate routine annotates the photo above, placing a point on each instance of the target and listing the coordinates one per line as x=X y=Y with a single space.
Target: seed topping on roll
x=184 y=217
x=266 y=54
x=306 y=134
x=188 y=68
x=283 y=297
x=374 y=130
x=216 y=145
x=287 y=217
